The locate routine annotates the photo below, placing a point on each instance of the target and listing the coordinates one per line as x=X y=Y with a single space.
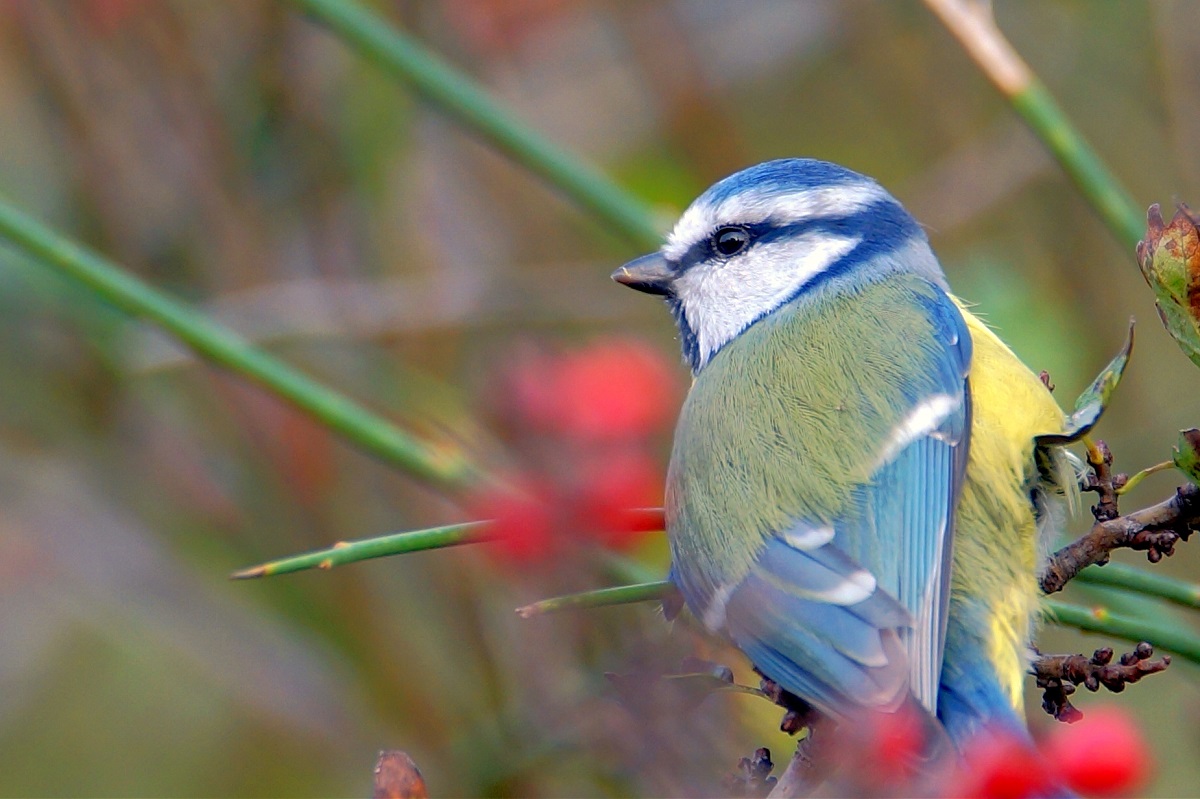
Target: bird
x=854 y=498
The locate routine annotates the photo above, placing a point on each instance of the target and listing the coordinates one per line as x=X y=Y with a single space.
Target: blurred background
x=243 y=159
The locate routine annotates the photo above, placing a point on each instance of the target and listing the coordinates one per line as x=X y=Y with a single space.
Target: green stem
x=973 y=24
x=1042 y=113
x=345 y=552
x=1143 y=474
x=225 y=348
x=1140 y=581
x=452 y=92
x=1099 y=620
x=603 y=597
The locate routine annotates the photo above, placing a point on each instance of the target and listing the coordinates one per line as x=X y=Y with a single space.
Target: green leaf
x=1169 y=257
x=1186 y=456
x=1092 y=402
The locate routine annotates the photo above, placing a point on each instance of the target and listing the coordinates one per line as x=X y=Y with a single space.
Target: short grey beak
x=650 y=273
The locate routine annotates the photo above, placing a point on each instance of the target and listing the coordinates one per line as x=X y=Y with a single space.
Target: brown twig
x=1058 y=676
x=804 y=771
x=1102 y=480
x=798 y=714
x=753 y=775
x=1154 y=530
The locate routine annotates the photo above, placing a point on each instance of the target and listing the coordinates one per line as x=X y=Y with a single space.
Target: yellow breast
x=996 y=537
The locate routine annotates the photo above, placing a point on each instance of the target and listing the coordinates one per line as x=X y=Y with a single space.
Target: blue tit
x=853 y=497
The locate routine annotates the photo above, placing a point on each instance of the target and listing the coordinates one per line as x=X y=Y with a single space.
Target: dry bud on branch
x=1058 y=676
x=1154 y=530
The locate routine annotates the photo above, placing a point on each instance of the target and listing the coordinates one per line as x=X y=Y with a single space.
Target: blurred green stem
x=1106 y=194
x=462 y=99
x=602 y=597
x=1140 y=581
x=345 y=552
x=222 y=346
x=1099 y=620
x=972 y=23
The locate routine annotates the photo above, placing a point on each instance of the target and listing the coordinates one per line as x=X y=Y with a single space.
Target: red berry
x=1102 y=755
x=522 y=522
x=527 y=394
x=614 y=389
x=897 y=740
x=614 y=490
x=999 y=765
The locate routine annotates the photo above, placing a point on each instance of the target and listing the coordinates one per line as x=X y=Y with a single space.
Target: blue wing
x=853 y=614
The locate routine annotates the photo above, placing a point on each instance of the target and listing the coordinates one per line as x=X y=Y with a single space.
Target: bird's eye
x=730 y=240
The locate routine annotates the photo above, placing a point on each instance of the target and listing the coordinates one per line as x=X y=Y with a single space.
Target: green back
x=788 y=420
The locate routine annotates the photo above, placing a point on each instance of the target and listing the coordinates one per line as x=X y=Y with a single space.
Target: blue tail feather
x=971 y=696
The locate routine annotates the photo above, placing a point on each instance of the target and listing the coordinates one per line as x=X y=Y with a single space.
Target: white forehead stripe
x=921 y=421
x=752 y=206
x=761 y=280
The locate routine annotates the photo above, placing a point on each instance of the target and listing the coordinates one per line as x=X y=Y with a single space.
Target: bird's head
x=772 y=234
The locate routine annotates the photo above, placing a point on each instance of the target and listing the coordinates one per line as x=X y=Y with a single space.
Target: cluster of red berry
x=584 y=425
x=1103 y=755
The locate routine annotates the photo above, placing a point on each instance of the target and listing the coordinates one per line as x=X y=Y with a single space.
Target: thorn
x=249 y=574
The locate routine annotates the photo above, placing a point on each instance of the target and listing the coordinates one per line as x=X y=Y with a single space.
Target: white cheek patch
x=752 y=207
x=720 y=299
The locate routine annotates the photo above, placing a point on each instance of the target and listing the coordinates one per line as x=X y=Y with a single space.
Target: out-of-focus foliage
x=1170 y=260
x=240 y=157
x=1090 y=404
x=1186 y=455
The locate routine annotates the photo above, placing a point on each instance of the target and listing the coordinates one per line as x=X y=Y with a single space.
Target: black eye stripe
x=882 y=224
